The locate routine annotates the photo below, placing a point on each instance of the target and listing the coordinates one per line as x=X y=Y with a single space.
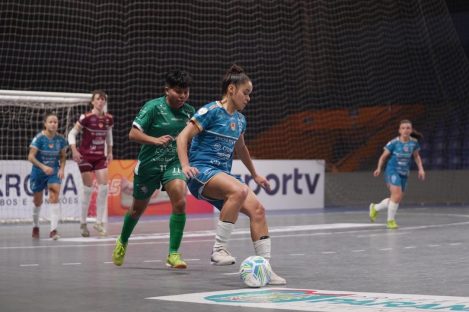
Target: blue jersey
x=214 y=145
x=48 y=150
x=401 y=155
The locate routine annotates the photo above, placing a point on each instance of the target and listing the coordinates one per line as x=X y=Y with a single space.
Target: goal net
x=332 y=79
x=21 y=118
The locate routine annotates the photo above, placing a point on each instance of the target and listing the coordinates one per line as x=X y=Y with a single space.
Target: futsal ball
x=255 y=271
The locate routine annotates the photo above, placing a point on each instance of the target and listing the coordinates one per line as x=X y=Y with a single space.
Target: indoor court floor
x=333 y=260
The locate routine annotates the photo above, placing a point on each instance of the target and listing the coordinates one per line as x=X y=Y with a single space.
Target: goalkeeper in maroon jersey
x=92 y=156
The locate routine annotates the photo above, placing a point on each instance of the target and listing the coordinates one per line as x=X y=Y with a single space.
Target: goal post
x=21 y=118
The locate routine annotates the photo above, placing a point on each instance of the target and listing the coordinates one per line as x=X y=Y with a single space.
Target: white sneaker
x=222 y=257
x=100 y=228
x=276 y=280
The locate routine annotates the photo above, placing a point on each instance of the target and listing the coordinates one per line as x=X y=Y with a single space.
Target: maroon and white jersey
x=94 y=131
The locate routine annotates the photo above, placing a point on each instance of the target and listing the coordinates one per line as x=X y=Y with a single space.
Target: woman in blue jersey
x=48 y=155
x=217 y=131
x=401 y=150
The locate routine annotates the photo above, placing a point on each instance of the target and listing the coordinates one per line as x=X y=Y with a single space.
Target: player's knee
x=37 y=202
x=179 y=206
x=240 y=193
x=259 y=213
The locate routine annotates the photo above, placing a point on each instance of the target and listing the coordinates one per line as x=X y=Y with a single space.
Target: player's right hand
x=48 y=170
x=189 y=171
x=76 y=157
x=377 y=172
x=164 y=140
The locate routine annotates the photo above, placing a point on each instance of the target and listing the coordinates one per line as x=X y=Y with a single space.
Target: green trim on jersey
x=156 y=118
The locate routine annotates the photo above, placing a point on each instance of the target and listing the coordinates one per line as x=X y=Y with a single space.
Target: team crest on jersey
x=51 y=145
x=100 y=125
x=203 y=111
x=406 y=148
x=233 y=126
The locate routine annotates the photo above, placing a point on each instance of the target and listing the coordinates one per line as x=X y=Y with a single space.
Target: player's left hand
x=61 y=174
x=421 y=175
x=260 y=180
x=109 y=157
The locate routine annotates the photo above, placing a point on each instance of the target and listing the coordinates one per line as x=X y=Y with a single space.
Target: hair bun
x=236 y=69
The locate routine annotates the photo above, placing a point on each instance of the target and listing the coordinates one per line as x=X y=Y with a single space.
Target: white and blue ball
x=255 y=271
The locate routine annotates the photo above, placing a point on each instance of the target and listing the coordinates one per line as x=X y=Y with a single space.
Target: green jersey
x=157 y=118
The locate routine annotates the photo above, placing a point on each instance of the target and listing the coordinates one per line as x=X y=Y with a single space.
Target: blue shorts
x=38 y=180
x=196 y=184
x=396 y=179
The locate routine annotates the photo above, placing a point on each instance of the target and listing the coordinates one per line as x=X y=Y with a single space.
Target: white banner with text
x=294 y=184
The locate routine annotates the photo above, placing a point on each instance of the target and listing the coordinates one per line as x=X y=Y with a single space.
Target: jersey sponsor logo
x=406 y=148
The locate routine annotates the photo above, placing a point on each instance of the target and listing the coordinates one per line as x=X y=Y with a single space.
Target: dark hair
x=235 y=75
x=101 y=93
x=178 y=78
x=48 y=114
x=415 y=134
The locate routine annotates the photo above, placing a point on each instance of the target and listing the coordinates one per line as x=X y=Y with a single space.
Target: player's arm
x=63 y=159
x=381 y=161
x=418 y=162
x=32 y=158
x=137 y=135
x=182 y=143
x=109 y=144
x=72 y=141
x=243 y=153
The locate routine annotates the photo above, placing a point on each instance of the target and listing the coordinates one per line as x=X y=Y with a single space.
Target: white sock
x=392 y=209
x=54 y=216
x=224 y=230
x=101 y=203
x=262 y=248
x=85 y=203
x=36 y=211
x=382 y=205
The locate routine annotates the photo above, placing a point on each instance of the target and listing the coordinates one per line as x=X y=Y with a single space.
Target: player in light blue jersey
x=48 y=154
x=217 y=131
x=401 y=150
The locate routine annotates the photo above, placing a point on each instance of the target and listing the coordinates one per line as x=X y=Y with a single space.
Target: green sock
x=128 y=227
x=176 y=229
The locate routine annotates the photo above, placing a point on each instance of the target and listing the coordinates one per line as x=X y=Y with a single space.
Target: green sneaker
x=175 y=261
x=119 y=252
x=392 y=225
x=373 y=213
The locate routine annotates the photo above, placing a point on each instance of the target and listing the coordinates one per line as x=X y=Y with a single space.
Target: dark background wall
x=303 y=56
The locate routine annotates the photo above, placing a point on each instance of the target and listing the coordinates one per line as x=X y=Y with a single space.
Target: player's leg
x=144 y=186
x=38 y=182
x=87 y=178
x=37 y=201
x=395 y=199
x=101 y=174
x=253 y=208
x=233 y=193
x=54 y=190
x=176 y=190
x=374 y=209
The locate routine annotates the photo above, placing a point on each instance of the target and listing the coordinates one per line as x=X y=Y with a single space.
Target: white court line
x=410 y=247
x=455 y=244
x=358 y=250
x=148 y=261
x=296 y=254
x=328 y=252
x=108 y=262
x=434 y=245
x=72 y=263
x=191 y=259
x=385 y=249
x=29 y=265
x=188 y=235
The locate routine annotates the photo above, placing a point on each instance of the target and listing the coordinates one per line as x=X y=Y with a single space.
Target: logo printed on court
x=324 y=300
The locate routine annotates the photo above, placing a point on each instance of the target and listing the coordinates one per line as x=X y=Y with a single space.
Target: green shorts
x=146 y=182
